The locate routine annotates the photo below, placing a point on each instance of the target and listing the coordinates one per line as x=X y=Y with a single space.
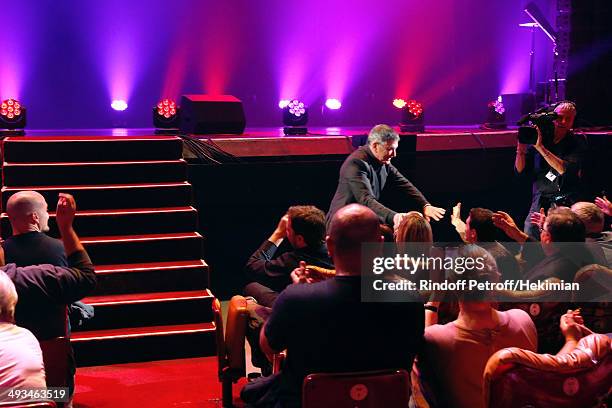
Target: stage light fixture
x=295 y=118
x=412 y=117
x=166 y=114
x=333 y=104
x=283 y=103
x=12 y=115
x=119 y=105
x=496 y=115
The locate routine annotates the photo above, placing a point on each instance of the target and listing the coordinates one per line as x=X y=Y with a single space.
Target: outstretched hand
x=604 y=204
x=537 y=218
x=504 y=221
x=437 y=213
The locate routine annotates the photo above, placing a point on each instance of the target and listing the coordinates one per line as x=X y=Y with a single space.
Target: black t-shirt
x=572 y=149
x=34 y=248
x=326 y=328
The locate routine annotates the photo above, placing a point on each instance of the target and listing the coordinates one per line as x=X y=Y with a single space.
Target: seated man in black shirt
x=268 y=272
x=29 y=245
x=325 y=327
x=45 y=290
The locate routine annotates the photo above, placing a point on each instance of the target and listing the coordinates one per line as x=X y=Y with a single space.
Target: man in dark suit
x=368 y=170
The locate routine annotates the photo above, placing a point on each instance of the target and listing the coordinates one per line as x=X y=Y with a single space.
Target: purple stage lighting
x=296 y=108
x=119 y=105
x=12 y=115
x=283 y=103
x=333 y=104
x=496 y=115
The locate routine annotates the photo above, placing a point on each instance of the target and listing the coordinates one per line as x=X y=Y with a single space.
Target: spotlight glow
x=333 y=104
x=119 y=105
x=399 y=103
x=498 y=105
x=283 y=103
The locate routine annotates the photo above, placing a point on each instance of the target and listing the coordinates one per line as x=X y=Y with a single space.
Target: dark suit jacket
x=362 y=179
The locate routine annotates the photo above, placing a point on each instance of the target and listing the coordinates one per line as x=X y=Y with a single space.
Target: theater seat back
x=389 y=389
x=516 y=378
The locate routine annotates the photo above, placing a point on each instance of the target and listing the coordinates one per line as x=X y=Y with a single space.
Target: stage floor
x=271 y=142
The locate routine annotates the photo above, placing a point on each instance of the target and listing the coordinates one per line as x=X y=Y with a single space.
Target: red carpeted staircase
x=136 y=221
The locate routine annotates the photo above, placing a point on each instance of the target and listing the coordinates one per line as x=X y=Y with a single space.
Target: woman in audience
x=21 y=362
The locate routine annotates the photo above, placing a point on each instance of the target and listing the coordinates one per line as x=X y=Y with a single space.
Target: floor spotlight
x=12 y=116
x=166 y=115
x=412 y=115
x=333 y=104
x=496 y=115
x=295 y=117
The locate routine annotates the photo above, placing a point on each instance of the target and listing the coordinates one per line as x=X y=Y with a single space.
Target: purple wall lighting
x=86 y=54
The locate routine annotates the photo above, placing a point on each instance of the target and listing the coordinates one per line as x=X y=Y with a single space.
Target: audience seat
x=515 y=377
x=230 y=347
x=389 y=389
x=56 y=355
x=37 y=404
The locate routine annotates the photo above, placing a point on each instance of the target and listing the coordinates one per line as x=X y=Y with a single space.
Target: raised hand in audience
x=280 y=232
x=604 y=204
x=298 y=275
x=457 y=222
x=504 y=221
x=537 y=218
x=573 y=329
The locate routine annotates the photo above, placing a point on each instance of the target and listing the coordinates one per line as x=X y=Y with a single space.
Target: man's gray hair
x=8 y=298
x=382 y=134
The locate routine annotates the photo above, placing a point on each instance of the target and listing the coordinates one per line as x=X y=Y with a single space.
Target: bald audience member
x=21 y=361
x=325 y=327
x=29 y=244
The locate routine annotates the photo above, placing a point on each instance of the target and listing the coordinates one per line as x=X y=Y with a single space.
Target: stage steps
x=136 y=220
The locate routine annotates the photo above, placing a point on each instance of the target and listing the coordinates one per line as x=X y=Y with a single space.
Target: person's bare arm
x=66 y=210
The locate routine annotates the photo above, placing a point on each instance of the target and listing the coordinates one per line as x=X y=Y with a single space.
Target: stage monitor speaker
x=210 y=114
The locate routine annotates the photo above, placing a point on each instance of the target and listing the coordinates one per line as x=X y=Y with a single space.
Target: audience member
x=21 y=361
x=455 y=354
x=480 y=230
x=269 y=272
x=560 y=239
x=593 y=218
x=29 y=245
x=46 y=290
x=325 y=327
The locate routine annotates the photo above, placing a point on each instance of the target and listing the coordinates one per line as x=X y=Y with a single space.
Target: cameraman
x=553 y=163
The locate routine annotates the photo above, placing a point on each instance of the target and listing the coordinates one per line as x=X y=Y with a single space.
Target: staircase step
x=115 y=346
x=75 y=173
x=152 y=277
x=123 y=249
x=91 y=149
x=114 y=196
x=124 y=222
x=149 y=309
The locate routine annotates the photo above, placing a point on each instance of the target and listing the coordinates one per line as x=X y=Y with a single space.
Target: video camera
x=542 y=118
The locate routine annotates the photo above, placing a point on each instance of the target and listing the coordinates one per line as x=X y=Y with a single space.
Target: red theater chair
x=230 y=349
x=36 y=404
x=515 y=377
x=389 y=389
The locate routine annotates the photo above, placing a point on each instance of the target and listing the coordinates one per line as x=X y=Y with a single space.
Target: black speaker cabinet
x=210 y=114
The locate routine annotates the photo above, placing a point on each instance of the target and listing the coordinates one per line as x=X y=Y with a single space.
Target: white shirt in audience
x=21 y=361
